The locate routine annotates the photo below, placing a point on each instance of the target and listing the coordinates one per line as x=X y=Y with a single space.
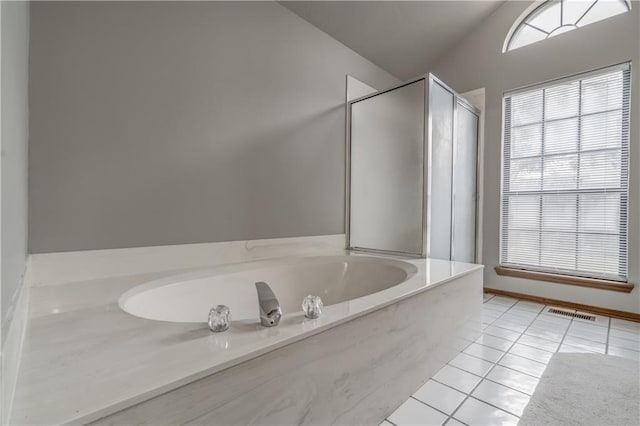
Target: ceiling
x=404 y=38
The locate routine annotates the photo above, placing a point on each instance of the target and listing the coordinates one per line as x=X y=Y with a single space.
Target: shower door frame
x=423 y=252
x=427 y=144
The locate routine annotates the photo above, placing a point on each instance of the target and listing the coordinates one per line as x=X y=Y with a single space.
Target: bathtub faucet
x=270 y=312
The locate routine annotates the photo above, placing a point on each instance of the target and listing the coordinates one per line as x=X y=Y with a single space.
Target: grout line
x=564 y=336
x=535 y=347
x=430 y=406
x=606 y=346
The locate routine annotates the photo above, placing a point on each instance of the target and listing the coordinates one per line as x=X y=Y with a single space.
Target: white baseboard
x=58 y=268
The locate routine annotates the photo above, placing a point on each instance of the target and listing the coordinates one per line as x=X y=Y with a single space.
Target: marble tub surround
x=11 y=351
x=77 y=338
x=66 y=267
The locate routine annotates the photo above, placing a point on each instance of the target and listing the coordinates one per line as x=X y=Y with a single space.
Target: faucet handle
x=219 y=318
x=270 y=312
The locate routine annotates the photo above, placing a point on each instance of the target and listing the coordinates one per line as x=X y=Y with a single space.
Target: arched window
x=553 y=17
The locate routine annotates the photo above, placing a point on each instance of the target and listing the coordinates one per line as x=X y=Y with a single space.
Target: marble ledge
x=77 y=335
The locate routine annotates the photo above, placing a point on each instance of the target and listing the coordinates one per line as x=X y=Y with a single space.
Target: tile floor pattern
x=491 y=381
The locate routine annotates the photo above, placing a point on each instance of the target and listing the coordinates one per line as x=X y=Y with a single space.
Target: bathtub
x=387 y=326
x=336 y=279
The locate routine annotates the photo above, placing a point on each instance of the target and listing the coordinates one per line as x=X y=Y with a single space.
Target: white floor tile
x=502 y=333
x=495 y=307
x=594 y=336
x=474 y=412
x=529 y=306
x=502 y=397
x=523 y=365
x=439 y=396
x=502 y=300
x=413 y=412
x=484 y=352
x=565 y=348
x=386 y=423
x=457 y=379
x=539 y=342
x=516 y=317
x=620 y=324
x=489 y=314
x=557 y=323
x=469 y=363
x=510 y=325
x=634 y=345
x=531 y=353
x=545 y=332
x=487 y=318
x=522 y=313
x=630 y=335
x=625 y=353
x=588 y=327
x=494 y=342
x=454 y=422
x=585 y=344
x=513 y=379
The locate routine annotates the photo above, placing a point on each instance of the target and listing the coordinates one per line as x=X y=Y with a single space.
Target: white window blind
x=565 y=176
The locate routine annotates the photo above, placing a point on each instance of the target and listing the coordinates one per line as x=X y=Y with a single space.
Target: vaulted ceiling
x=402 y=37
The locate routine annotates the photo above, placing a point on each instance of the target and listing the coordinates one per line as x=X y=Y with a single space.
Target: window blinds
x=565 y=176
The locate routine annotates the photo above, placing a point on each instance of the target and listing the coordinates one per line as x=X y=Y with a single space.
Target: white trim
x=516 y=24
x=556 y=81
x=528 y=11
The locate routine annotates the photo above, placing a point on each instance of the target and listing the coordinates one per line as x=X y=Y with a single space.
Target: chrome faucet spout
x=270 y=312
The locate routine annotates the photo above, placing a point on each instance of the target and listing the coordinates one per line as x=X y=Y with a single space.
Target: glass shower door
x=387 y=171
x=465 y=156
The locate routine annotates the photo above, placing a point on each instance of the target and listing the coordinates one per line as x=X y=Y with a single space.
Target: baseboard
x=630 y=316
x=66 y=267
x=12 y=350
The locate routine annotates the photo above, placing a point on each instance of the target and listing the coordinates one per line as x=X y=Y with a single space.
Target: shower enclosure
x=412 y=156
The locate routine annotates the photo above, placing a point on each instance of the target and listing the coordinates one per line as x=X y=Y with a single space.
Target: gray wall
x=167 y=123
x=478 y=61
x=14 y=139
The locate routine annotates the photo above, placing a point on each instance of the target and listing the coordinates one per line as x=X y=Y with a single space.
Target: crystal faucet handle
x=219 y=318
x=312 y=307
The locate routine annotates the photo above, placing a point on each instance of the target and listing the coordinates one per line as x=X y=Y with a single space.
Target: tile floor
x=490 y=382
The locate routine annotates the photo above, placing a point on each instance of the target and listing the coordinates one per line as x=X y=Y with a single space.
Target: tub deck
x=84 y=358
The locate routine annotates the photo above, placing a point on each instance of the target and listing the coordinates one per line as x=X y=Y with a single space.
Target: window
x=565 y=176
x=555 y=17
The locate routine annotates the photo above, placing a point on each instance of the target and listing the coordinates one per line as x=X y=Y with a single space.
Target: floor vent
x=572 y=314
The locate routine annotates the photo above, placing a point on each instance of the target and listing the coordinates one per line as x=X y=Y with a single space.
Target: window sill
x=565 y=279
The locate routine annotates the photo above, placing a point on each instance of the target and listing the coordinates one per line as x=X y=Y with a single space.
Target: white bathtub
x=387 y=326
x=336 y=279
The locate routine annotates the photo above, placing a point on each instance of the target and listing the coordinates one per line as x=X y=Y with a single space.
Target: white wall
x=14 y=140
x=158 y=123
x=478 y=62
